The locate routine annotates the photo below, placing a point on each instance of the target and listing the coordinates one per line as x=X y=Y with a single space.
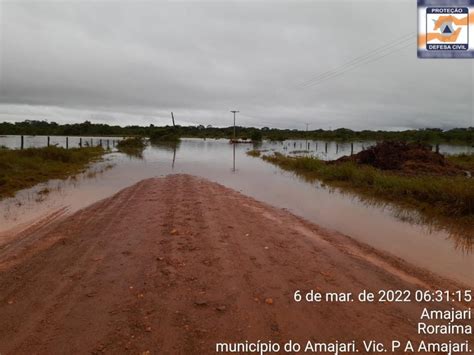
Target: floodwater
x=14 y=142
x=333 y=150
x=438 y=248
x=324 y=150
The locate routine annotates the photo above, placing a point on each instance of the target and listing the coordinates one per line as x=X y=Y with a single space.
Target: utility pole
x=172 y=118
x=234 y=112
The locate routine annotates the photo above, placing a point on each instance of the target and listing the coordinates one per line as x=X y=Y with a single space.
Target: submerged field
x=402 y=232
x=443 y=196
x=132 y=146
x=20 y=169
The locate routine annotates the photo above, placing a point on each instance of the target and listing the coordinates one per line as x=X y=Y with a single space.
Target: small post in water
x=48 y=140
x=67 y=142
x=352 y=148
x=80 y=142
x=22 y=142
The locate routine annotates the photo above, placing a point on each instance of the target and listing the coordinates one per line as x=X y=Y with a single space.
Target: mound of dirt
x=408 y=158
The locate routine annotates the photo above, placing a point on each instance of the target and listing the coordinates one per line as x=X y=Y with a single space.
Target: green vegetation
x=254 y=153
x=165 y=135
x=428 y=135
x=132 y=146
x=465 y=161
x=438 y=195
x=20 y=169
x=256 y=136
x=170 y=146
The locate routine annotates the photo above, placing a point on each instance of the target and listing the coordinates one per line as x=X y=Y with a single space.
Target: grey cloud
x=133 y=62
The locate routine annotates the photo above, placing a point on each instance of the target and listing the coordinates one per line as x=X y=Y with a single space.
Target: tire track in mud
x=248 y=296
x=79 y=254
x=176 y=264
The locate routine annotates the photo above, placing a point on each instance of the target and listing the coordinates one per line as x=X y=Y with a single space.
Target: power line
x=353 y=65
x=356 y=60
x=367 y=61
x=375 y=51
x=369 y=57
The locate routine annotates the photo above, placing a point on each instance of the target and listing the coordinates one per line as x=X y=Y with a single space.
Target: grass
x=465 y=161
x=20 y=169
x=133 y=146
x=254 y=153
x=439 y=195
x=167 y=134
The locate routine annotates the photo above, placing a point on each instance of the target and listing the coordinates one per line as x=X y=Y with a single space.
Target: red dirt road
x=174 y=265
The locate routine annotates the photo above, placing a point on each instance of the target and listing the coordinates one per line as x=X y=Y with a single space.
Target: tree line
x=87 y=128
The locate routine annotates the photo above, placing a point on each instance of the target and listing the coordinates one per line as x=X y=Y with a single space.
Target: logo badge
x=443 y=29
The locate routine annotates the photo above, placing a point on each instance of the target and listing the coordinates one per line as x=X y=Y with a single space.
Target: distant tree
x=428 y=135
x=256 y=136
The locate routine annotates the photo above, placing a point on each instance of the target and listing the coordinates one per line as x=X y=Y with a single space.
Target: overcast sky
x=132 y=62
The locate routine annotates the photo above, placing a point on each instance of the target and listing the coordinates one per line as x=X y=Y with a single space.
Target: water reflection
x=326 y=150
x=167 y=146
x=330 y=150
x=460 y=233
x=458 y=230
x=438 y=246
x=174 y=157
x=42 y=199
x=233 y=156
x=14 y=141
x=136 y=153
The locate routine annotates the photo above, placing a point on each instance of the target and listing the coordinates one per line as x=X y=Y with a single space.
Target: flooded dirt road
x=436 y=246
x=173 y=265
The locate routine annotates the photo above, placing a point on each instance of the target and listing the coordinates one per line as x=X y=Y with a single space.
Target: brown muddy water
x=436 y=247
